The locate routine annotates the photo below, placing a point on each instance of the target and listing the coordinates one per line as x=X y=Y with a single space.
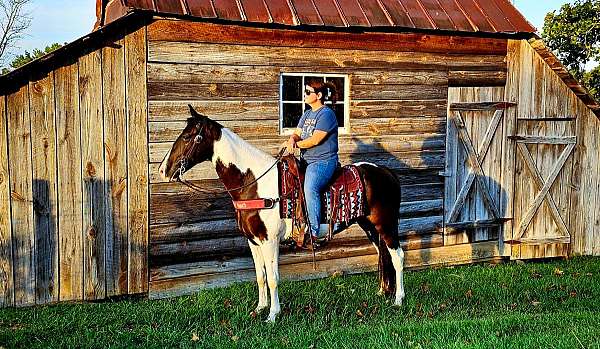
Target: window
x=292 y=104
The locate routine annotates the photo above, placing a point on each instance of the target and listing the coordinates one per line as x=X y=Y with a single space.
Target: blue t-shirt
x=324 y=120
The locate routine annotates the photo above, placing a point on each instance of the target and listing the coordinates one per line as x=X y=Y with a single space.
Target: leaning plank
x=6 y=256
x=115 y=167
x=137 y=160
x=19 y=151
x=69 y=182
x=92 y=158
x=242 y=269
x=43 y=148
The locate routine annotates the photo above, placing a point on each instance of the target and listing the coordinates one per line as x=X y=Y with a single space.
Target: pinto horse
x=247 y=173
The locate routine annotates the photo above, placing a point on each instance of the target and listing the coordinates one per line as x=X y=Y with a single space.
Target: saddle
x=342 y=201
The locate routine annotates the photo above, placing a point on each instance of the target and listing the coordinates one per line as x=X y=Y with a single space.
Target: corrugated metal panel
x=488 y=16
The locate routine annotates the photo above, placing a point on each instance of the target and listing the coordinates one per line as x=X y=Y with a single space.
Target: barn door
x=544 y=148
x=474 y=197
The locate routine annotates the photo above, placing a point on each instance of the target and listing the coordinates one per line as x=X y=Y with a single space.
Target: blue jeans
x=317 y=176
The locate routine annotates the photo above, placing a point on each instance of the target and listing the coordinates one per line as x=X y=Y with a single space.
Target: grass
x=555 y=304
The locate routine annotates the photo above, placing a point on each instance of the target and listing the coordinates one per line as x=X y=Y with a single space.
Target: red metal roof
x=487 y=16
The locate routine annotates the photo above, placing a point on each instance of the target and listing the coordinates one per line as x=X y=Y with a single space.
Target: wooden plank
x=537 y=119
x=69 y=183
x=137 y=160
x=169 y=91
x=255 y=55
x=396 y=109
x=470 y=106
x=115 y=168
x=43 y=126
x=19 y=151
x=169 y=30
x=398 y=92
x=242 y=269
x=543 y=139
x=169 y=131
x=398 y=126
x=216 y=110
x=93 y=178
x=6 y=262
x=457 y=78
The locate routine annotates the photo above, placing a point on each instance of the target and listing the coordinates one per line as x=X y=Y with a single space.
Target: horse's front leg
x=261 y=279
x=270 y=252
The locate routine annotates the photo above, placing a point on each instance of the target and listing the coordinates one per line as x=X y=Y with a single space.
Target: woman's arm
x=317 y=137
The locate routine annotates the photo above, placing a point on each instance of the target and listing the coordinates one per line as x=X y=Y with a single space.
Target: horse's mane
x=243 y=149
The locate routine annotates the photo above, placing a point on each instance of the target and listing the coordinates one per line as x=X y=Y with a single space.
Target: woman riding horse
x=317 y=138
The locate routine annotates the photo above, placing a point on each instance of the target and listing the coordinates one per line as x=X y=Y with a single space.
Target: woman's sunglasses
x=308 y=92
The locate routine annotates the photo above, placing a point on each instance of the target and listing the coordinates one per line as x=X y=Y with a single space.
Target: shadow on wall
x=423 y=196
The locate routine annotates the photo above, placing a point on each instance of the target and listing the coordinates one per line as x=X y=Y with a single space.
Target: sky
x=66 y=20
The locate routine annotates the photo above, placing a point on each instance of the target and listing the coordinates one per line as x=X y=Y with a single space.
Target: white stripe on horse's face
x=162 y=170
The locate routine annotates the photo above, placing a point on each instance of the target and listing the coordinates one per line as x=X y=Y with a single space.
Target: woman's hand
x=291 y=145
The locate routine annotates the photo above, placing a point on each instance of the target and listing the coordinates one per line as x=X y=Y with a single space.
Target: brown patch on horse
x=249 y=221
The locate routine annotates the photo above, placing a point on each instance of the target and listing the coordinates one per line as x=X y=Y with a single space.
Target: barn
x=496 y=145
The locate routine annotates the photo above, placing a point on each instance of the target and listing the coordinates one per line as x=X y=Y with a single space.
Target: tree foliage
x=574 y=35
x=27 y=57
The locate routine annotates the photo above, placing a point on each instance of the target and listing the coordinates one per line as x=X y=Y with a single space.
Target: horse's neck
x=232 y=149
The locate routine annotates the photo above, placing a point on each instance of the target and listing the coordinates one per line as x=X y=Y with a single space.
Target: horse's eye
x=186 y=138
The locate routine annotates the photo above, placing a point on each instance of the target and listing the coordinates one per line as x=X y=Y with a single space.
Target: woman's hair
x=326 y=88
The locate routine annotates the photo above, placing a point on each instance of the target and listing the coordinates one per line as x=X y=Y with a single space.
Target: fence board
x=6 y=256
x=19 y=151
x=137 y=160
x=69 y=183
x=92 y=157
x=43 y=126
x=115 y=167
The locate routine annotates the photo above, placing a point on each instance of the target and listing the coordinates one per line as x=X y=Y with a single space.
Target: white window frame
x=341 y=130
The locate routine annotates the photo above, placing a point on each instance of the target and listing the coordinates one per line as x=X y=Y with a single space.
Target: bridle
x=183 y=162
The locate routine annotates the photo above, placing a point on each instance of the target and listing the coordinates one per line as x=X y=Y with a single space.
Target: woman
x=317 y=138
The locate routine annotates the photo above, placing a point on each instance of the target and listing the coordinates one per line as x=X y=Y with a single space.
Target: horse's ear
x=194 y=113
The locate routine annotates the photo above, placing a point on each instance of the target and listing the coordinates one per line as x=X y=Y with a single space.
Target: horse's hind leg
x=398 y=261
x=387 y=274
x=261 y=278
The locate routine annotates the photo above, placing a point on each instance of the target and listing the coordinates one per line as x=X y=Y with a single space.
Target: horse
x=246 y=173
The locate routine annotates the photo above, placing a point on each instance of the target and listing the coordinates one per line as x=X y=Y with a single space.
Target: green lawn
x=554 y=304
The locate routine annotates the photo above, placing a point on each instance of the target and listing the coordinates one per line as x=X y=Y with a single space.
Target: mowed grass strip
x=551 y=304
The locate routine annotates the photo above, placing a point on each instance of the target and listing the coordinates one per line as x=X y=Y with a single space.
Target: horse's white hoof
x=398 y=302
x=271 y=318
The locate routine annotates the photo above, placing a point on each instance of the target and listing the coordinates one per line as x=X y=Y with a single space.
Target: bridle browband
x=183 y=162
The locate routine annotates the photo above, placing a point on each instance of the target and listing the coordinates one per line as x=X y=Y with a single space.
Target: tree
x=14 y=21
x=574 y=34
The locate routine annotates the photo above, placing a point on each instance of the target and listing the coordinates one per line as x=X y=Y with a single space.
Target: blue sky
x=66 y=20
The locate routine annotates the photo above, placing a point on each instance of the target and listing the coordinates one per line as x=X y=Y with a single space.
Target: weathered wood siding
x=74 y=179
x=398 y=95
x=548 y=115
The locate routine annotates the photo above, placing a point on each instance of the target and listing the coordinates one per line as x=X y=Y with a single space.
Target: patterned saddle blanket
x=342 y=201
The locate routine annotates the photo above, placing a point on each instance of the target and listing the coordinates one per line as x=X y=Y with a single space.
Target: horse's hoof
x=271 y=318
x=398 y=302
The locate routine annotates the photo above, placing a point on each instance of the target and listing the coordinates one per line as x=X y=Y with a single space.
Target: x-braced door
x=474 y=199
x=541 y=189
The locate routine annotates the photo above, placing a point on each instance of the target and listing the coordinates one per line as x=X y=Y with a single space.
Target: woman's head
x=318 y=90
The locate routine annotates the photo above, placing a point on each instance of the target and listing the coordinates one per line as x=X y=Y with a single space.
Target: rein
x=228 y=191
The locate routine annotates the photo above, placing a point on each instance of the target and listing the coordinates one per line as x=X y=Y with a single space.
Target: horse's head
x=194 y=145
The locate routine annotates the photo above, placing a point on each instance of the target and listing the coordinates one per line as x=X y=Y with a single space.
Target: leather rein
x=242 y=204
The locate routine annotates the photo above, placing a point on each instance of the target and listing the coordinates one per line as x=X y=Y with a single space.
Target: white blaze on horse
x=239 y=164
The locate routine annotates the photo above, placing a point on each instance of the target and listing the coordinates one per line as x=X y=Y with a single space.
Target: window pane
x=339 y=87
x=291 y=114
x=292 y=88
x=338 y=108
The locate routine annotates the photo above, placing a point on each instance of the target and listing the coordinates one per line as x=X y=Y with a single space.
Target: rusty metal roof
x=485 y=16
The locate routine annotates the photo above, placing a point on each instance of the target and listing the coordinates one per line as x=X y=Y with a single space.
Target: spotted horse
x=246 y=174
